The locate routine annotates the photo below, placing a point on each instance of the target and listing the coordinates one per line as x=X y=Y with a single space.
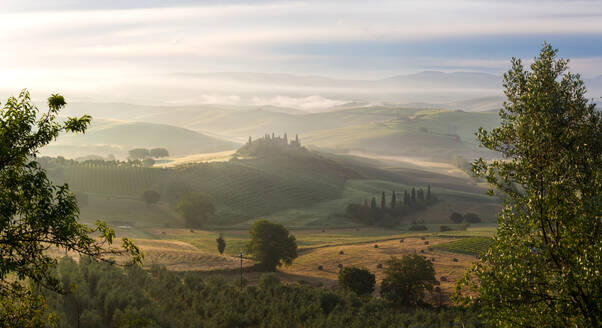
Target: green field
x=472 y=245
x=437 y=134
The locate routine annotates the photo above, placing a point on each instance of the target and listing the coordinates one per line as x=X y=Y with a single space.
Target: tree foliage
x=271 y=244
x=150 y=197
x=406 y=279
x=359 y=280
x=221 y=244
x=138 y=153
x=159 y=152
x=35 y=214
x=196 y=209
x=544 y=266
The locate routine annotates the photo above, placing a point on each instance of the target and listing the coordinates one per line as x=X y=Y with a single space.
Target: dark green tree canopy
x=406 y=279
x=359 y=280
x=271 y=244
x=221 y=244
x=35 y=214
x=138 y=153
x=159 y=152
x=543 y=268
x=150 y=197
x=196 y=209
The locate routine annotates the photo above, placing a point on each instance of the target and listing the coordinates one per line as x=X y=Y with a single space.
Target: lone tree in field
x=406 y=279
x=221 y=244
x=159 y=152
x=150 y=197
x=196 y=209
x=35 y=214
x=358 y=280
x=272 y=245
x=544 y=266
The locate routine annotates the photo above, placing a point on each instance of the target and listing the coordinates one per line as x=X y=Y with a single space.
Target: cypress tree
x=285 y=139
x=373 y=203
x=297 y=140
x=428 y=193
x=413 y=195
x=421 y=195
x=393 y=199
x=406 y=197
x=383 y=201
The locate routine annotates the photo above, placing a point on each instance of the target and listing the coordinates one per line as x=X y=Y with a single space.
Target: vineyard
x=470 y=245
x=240 y=189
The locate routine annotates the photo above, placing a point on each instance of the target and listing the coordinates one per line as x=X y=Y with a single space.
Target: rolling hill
x=106 y=137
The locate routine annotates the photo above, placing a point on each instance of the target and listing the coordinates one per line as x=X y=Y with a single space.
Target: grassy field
x=472 y=245
x=425 y=133
x=183 y=249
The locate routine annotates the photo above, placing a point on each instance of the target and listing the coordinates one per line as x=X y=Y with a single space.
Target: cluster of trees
x=469 y=217
x=146 y=156
x=389 y=212
x=109 y=296
x=404 y=283
x=270 y=144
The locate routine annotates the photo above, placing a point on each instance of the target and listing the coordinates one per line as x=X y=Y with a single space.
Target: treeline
x=270 y=144
x=388 y=212
x=107 y=296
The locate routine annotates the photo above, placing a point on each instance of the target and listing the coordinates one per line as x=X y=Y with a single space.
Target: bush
x=456 y=217
x=472 y=218
x=444 y=228
x=418 y=227
x=268 y=281
x=358 y=280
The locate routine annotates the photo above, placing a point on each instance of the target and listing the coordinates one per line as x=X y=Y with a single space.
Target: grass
x=472 y=245
x=424 y=133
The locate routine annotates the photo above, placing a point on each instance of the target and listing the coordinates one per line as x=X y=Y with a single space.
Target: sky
x=101 y=48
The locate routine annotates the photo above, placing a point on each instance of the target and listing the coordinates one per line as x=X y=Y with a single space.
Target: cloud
x=82 y=45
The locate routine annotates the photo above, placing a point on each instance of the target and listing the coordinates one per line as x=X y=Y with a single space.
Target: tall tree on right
x=544 y=266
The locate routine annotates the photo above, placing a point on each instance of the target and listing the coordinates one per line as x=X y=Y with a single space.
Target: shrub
x=359 y=280
x=268 y=281
x=444 y=228
x=456 y=217
x=406 y=279
x=418 y=227
x=472 y=218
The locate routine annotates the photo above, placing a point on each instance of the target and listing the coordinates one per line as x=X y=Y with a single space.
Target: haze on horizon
x=147 y=52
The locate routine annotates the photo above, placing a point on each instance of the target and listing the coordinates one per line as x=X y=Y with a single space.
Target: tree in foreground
x=150 y=197
x=406 y=279
x=358 y=280
x=272 y=245
x=221 y=244
x=35 y=215
x=544 y=267
x=196 y=209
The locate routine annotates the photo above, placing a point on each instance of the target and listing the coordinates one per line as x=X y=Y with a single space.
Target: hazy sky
x=87 y=45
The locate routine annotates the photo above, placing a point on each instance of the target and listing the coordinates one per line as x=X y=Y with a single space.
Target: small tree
x=472 y=218
x=429 y=197
x=271 y=245
x=413 y=196
x=196 y=209
x=456 y=217
x=358 y=280
x=138 y=153
x=221 y=244
x=383 y=201
x=150 y=197
x=393 y=199
x=406 y=279
x=159 y=152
